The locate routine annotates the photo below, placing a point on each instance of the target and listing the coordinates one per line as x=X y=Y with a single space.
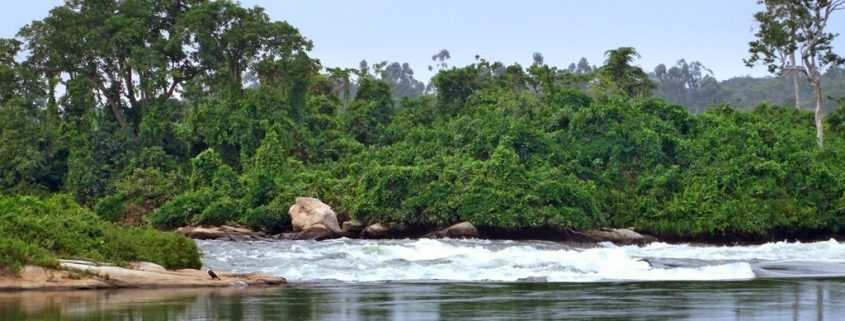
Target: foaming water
x=512 y=261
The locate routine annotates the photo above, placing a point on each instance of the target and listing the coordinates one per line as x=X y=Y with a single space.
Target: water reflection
x=749 y=300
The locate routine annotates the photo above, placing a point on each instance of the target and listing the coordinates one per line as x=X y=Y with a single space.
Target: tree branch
x=172 y=89
x=127 y=78
x=115 y=108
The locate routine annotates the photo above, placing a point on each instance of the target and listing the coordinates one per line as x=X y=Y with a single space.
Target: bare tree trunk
x=817 y=87
x=795 y=81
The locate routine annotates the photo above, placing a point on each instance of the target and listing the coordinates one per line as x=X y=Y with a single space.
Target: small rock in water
x=457 y=231
x=622 y=235
x=352 y=226
x=535 y=279
x=375 y=231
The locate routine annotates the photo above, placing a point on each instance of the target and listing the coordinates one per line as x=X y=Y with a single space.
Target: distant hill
x=746 y=92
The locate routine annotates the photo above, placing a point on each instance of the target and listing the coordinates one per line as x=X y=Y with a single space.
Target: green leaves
x=504 y=147
x=619 y=78
x=38 y=231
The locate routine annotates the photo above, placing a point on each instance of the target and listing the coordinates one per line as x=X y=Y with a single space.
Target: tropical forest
x=121 y=121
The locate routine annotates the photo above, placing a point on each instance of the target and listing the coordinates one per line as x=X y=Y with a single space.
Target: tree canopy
x=173 y=113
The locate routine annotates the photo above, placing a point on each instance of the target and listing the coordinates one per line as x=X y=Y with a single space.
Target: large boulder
x=309 y=212
x=621 y=235
x=456 y=231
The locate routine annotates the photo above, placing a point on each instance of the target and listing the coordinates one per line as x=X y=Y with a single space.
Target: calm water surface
x=722 y=300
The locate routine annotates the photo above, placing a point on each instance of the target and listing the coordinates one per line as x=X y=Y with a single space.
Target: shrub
x=111 y=208
x=14 y=253
x=37 y=231
x=150 y=187
x=204 y=167
x=170 y=250
x=220 y=212
x=260 y=190
x=269 y=218
x=180 y=211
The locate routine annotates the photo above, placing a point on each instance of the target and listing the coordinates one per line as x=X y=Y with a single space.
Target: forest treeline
x=171 y=113
x=689 y=84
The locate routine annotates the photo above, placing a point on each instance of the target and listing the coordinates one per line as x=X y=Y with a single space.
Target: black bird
x=213 y=275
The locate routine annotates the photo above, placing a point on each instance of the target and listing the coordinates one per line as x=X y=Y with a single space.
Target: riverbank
x=85 y=275
x=623 y=236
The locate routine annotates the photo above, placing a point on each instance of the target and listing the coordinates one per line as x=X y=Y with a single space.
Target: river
x=482 y=280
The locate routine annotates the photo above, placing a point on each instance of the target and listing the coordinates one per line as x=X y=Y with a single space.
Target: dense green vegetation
x=139 y=111
x=40 y=231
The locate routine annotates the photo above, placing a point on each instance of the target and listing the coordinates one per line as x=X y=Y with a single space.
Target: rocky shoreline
x=384 y=231
x=311 y=219
x=85 y=275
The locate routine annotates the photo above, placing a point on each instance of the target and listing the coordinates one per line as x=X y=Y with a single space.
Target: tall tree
x=440 y=59
x=402 y=81
x=126 y=49
x=619 y=77
x=231 y=39
x=137 y=53
x=342 y=80
x=790 y=26
x=681 y=83
x=538 y=59
x=583 y=67
x=776 y=44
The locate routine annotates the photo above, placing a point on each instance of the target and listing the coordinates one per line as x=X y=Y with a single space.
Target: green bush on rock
x=39 y=231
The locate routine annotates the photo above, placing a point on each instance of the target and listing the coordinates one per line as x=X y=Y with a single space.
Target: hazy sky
x=714 y=32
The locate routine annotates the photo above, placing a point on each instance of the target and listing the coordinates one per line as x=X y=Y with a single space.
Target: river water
x=482 y=280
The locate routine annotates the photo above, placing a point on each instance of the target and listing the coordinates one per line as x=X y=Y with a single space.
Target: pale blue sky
x=714 y=32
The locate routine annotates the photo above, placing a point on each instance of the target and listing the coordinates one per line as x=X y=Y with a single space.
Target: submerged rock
x=309 y=212
x=460 y=230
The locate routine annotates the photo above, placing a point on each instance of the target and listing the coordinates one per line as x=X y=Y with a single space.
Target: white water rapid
x=511 y=261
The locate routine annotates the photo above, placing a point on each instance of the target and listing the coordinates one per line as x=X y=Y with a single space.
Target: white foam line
x=500 y=261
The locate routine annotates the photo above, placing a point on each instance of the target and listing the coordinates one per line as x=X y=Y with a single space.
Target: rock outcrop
x=225 y=232
x=376 y=231
x=313 y=219
x=147 y=266
x=622 y=235
x=456 y=231
x=352 y=227
x=77 y=275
